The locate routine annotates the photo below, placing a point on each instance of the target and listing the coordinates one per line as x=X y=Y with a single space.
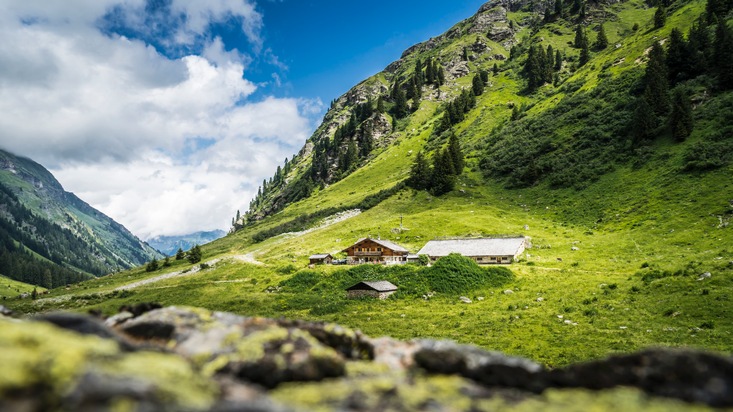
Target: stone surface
x=190 y=359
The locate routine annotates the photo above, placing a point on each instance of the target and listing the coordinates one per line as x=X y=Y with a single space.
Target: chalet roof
x=473 y=247
x=378 y=285
x=321 y=256
x=385 y=243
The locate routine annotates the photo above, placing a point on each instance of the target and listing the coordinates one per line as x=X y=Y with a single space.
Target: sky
x=166 y=115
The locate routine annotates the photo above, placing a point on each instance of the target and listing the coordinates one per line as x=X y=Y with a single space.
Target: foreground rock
x=196 y=360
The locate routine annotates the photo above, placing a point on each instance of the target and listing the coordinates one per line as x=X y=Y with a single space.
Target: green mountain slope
x=51 y=237
x=629 y=224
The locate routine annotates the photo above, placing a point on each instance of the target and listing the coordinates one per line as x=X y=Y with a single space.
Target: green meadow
x=634 y=249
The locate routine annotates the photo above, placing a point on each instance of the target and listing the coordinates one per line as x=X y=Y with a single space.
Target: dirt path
x=165 y=276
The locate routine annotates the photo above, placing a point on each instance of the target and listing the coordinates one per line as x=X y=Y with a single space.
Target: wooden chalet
x=381 y=289
x=483 y=250
x=320 y=259
x=369 y=250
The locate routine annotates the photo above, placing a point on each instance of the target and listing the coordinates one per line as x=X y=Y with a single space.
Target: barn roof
x=378 y=285
x=321 y=256
x=386 y=243
x=473 y=247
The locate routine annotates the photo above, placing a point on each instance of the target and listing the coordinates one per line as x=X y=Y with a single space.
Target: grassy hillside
x=630 y=241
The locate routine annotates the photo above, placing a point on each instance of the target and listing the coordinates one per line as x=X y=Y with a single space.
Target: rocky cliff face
x=179 y=358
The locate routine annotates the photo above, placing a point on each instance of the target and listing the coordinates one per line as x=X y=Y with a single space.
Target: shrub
x=459 y=274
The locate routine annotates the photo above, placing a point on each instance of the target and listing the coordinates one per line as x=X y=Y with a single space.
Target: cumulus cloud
x=165 y=145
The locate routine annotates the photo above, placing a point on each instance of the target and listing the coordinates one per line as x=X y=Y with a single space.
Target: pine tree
x=456 y=154
x=478 y=85
x=443 y=176
x=660 y=16
x=152 y=266
x=533 y=69
x=429 y=71
x=550 y=59
x=656 y=90
x=681 y=121
x=558 y=60
x=166 y=262
x=440 y=73
x=420 y=173
x=465 y=54
x=679 y=57
x=700 y=47
x=366 y=143
x=644 y=121
x=380 y=104
x=400 y=108
x=723 y=55
x=584 y=55
x=580 y=39
x=558 y=8
x=194 y=255
x=179 y=254
x=601 y=41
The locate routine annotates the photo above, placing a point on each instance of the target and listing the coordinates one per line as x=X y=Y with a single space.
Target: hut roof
x=379 y=286
x=385 y=243
x=473 y=247
x=321 y=256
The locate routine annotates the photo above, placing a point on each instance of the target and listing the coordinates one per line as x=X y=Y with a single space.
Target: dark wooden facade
x=375 y=251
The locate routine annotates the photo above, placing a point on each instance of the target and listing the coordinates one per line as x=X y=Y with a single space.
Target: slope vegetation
x=629 y=221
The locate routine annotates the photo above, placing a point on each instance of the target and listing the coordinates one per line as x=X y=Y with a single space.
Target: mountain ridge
x=101 y=245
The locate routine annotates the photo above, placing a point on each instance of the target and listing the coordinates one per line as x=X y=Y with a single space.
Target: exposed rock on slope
x=194 y=359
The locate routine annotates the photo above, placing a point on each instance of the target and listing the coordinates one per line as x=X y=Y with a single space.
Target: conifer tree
x=656 y=90
x=429 y=71
x=558 y=60
x=644 y=121
x=584 y=55
x=440 y=73
x=477 y=85
x=194 y=255
x=700 y=47
x=579 y=37
x=465 y=54
x=443 y=175
x=380 y=104
x=577 y=4
x=533 y=69
x=679 y=57
x=456 y=154
x=660 y=16
x=179 y=254
x=601 y=41
x=366 y=143
x=400 y=108
x=550 y=58
x=558 y=8
x=420 y=173
x=722 y=61
x=152 y=266
x=681 y=121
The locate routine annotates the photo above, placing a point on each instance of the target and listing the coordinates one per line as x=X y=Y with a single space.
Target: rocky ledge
x=148 y=358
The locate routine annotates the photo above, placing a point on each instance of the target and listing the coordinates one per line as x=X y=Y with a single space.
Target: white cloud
x=164 y=146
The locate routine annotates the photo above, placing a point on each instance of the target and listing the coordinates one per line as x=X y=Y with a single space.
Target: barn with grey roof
x=381 y=289
x=482 y=250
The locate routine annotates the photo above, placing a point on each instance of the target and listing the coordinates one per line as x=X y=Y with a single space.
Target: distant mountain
x=50 y=237
x=169 y=244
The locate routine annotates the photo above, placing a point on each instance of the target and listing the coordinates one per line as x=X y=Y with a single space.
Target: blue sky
x=167 y=114
x=331 y=45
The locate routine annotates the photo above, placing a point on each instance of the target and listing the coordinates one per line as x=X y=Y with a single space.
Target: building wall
x=352 y=294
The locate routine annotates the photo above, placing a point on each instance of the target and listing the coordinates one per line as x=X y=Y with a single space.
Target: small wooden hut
x=381 y=289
